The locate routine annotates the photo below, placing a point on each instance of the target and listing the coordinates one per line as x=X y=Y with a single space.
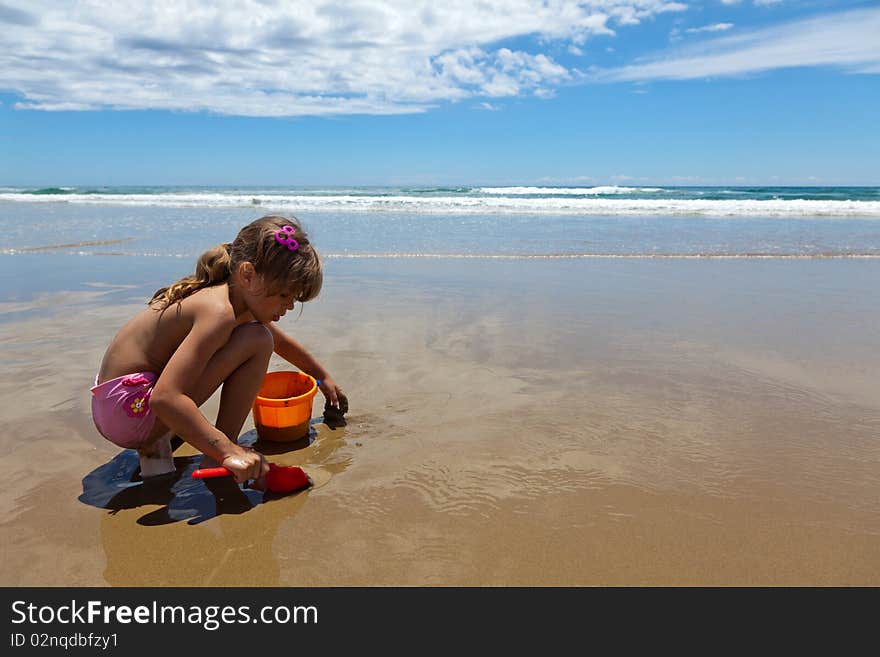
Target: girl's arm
x=295 y=354
x=210 y=331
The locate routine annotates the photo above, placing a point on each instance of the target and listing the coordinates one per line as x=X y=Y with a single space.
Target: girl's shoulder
x=208 y=304
x=213 y=302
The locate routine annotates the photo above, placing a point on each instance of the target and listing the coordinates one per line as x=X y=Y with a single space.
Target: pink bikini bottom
x=121 y=408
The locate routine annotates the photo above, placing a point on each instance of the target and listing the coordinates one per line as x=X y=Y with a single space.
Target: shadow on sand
x=117 y=485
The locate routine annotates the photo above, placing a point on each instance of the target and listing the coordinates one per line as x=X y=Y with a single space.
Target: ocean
x=454 y=222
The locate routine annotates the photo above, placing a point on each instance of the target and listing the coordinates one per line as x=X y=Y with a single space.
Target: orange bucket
x=283 y=407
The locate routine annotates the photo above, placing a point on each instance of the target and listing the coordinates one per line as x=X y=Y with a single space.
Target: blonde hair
x=298 y=271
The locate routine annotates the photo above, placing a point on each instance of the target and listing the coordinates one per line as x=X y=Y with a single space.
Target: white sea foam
x=467 y=205
x=570 y=191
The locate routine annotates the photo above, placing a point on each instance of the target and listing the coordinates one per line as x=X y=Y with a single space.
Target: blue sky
x=560 y=92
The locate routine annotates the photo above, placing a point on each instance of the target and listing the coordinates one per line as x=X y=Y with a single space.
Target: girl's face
x=271 y=307
x=263 y=299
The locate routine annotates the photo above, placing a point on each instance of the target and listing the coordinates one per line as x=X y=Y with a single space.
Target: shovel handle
x=207 y=473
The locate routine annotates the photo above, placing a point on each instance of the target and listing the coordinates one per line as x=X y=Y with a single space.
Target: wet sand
x=602 y=422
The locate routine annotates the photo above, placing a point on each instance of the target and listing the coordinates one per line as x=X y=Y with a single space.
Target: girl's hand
x=334 y=394
x=246 y=464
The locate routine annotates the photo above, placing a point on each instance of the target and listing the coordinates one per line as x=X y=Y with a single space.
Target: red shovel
x=279 y=479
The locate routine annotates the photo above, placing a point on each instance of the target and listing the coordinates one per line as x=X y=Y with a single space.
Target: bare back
x=148 y=341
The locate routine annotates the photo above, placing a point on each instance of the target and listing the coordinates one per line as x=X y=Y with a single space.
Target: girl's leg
x=239 y=366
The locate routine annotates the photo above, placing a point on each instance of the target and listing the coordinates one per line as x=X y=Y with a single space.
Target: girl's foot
x=157 y=458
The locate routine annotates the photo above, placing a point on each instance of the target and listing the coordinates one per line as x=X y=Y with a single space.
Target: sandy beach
x=548 y=422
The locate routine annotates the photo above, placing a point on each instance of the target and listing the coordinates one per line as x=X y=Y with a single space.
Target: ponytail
x=212 y=268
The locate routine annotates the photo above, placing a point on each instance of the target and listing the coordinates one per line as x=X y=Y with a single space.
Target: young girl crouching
x=216 y=327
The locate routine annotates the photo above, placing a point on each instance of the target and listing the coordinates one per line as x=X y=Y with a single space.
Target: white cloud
x=294 y=57
x=846 y=39
x=717 y=27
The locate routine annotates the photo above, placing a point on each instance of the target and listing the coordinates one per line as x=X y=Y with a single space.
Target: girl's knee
x=256 y=336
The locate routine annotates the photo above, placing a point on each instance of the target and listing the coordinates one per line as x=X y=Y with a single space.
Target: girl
x=210 y=329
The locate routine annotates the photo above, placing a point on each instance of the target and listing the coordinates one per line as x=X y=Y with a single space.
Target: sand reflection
x=176 y=530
